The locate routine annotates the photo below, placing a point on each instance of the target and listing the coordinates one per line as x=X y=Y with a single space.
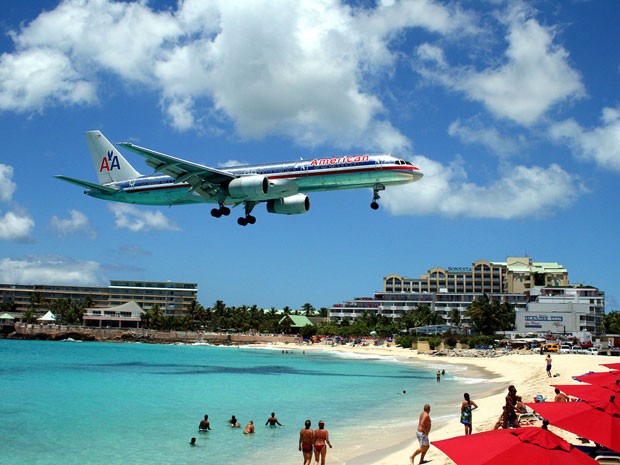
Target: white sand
x=525 y=371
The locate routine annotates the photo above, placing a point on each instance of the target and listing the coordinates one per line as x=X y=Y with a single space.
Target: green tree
x=307 y=309
x=455 y=317
x=488 y=316
x=611 y=322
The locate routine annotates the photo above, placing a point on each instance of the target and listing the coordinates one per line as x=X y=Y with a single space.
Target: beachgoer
x=548 y=360
x=192 y=442
x=438 y=375
x=321 y=436
x=510 y=413
x=466 y=417
x=204 y=425
x=520 y=407
x=273 y=421
x=443 y=372
x=560 y=396
x=249 y=428
x=424 y=428
x=234 y=423
x=499 y=422
x=306 y=440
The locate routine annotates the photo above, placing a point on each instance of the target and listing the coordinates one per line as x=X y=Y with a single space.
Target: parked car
x=577 y=350
x=592 y=351
x=552 y=348
x=565 y=348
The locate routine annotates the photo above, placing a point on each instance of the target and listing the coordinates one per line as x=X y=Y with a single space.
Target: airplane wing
x=88 y=185
x=204 y=180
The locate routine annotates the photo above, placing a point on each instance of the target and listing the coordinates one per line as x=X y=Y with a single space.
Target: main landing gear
x=247 y=219
x=375 y=191
x=221 y=211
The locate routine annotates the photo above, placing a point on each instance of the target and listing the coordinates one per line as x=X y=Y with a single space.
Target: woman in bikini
x=321 y=436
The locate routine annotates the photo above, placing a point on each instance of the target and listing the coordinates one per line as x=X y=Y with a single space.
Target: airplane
x=282 y=186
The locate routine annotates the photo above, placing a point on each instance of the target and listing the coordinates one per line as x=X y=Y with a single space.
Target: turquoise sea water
x=106 y=403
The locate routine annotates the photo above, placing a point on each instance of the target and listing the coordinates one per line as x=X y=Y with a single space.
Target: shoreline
x=526 y=371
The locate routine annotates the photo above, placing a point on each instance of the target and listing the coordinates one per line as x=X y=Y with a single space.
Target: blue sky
x=511 y=109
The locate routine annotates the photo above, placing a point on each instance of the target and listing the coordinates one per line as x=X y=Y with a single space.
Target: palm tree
x=308 y=309
x=489 y=316
x=455 y=317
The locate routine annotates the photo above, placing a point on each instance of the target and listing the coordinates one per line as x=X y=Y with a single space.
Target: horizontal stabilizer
x=88 y=185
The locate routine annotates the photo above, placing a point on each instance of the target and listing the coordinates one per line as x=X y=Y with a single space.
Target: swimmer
x=234 y=423
x=192 y=442
x=204 y=425
x=249 y=428
x=273 y=421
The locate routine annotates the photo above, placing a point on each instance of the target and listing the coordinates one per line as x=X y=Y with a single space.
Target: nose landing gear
x=375 y=191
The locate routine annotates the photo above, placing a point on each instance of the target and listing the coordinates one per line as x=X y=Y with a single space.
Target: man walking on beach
x=424 y=428
x=548 y=360
x=306 y=442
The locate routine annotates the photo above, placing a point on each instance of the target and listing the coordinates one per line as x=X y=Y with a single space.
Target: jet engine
x=293 y=205
x=252 y=187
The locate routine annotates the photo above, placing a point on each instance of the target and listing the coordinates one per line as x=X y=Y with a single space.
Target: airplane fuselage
x=304 y=176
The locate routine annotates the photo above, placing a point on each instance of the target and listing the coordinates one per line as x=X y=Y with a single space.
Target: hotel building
x=518 y=281
x=172 y=297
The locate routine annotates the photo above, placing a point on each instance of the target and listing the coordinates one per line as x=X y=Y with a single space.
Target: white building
x=563 y=310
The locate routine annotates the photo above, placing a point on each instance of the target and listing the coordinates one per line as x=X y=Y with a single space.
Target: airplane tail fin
x=110 y=165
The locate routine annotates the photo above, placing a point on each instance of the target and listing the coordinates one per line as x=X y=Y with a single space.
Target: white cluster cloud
x=137 y=220
x=15 y=225
x=534 y=76
x=50 y=269
x=77 y=223
x=293 y=68
x=520 y=192
x=601 y=145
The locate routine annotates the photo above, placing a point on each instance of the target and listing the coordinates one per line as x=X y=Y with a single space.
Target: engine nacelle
x=293 y=205
x=252 y=187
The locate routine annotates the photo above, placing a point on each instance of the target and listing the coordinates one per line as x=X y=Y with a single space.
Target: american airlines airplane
x=282 y=186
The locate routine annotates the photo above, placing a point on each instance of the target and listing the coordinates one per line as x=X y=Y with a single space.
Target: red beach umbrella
x=583 y=420
x=606 y=379
x=613 y=366
x=587 y=392
x=513 y=447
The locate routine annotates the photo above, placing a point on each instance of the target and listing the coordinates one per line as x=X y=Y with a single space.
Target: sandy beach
x=526 y=371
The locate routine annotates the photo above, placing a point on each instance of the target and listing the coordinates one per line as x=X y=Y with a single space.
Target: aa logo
x=109 y=163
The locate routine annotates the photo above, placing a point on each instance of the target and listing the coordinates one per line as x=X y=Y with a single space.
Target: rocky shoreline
x=78 y=333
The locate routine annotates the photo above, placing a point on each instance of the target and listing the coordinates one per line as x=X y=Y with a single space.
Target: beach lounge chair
x=607 y=459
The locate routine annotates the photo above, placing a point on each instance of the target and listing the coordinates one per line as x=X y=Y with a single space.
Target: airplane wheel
x=251 y=219
x=374 y=205
x=242 y=221
x=225 y=211
x=216 y=212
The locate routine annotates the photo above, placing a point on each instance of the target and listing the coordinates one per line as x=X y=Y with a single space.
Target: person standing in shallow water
x=467 y=407
x=321 y=437
x=204 y=425
x=306 y=441
x=273 y=421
